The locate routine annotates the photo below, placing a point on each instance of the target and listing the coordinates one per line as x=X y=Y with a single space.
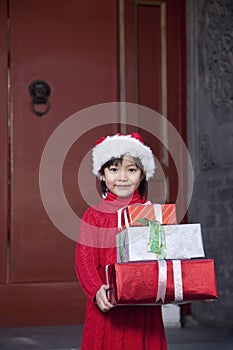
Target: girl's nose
x=122 y=175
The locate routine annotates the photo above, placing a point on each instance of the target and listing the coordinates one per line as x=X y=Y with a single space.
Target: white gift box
x=182 y=242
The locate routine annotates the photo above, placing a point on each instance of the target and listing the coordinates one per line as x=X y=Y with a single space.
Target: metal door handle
x=40 y=91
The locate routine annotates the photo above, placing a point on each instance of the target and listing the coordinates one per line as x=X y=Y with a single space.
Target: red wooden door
x=74 y=46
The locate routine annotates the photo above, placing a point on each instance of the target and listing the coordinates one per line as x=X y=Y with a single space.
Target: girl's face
x=124 y=178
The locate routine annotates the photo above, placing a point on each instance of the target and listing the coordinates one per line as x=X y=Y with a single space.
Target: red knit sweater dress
x=122 y=327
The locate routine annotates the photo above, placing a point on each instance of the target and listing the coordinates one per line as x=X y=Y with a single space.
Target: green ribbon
x=156 y=239
x=121 y=247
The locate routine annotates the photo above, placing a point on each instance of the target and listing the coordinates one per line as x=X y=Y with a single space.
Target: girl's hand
x=101 y=298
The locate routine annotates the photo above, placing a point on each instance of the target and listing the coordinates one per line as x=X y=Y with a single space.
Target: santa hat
x=119 y=145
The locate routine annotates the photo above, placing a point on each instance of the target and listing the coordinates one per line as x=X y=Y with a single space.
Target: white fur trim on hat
x=118 y=145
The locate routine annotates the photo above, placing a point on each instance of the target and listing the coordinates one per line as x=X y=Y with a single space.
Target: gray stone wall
x=210 y=139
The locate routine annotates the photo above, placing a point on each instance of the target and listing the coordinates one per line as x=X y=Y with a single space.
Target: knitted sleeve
x=87 y=256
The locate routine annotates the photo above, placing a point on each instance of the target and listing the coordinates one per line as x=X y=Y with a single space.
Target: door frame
x=4 y=142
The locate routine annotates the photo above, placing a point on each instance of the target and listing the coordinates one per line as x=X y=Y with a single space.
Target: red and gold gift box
x=133 y=214
x=160 y=282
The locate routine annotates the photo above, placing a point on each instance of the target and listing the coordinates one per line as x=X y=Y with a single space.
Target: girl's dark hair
x=142 y=188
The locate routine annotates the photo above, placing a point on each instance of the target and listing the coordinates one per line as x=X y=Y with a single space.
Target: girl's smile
x=123 y=178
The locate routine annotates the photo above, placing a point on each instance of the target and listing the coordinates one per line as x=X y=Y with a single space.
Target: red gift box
x=159 y=282
x=164 y=213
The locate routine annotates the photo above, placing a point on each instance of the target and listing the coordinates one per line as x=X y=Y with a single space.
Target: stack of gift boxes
x=158 y=261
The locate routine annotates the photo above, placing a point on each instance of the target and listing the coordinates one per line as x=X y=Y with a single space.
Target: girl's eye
x=132 y=170
x=113 y=169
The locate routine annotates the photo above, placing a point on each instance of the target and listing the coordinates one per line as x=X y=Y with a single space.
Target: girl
x=123 y=164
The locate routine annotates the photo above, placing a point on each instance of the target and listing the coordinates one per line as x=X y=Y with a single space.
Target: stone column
x=210 y=141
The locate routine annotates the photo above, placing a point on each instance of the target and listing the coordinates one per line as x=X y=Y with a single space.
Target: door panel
x=74 y=49
x=155 y=78
x=33 y=304
x=149 y=56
